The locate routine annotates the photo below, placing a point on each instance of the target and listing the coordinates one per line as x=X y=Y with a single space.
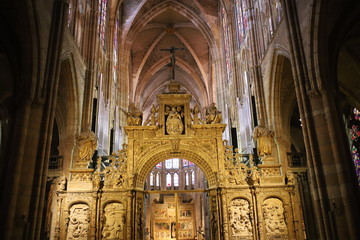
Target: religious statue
x=87 y=143
x=195 y=115
x=213 y=116
x=113 y=221
x=264 y=138
x=133 y=116
x=255 y=175
x=96 y=180
x=174 y=123
x=152 y=119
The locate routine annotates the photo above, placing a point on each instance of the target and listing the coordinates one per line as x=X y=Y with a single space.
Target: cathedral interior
x=180 y=119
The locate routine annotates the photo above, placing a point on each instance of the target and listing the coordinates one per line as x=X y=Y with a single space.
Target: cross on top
x=172 y=58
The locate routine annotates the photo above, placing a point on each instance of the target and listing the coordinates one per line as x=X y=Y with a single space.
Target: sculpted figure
x=195 y=115
x=174 y=124
x=79 y=220
x=264 y=138
x=113 y=224
x=133 y=116
x=87 y=143
x=290 y=178
x=273 y=212
x=213 y=116
x=152 y=119
x=239 y=212
x=62 y=183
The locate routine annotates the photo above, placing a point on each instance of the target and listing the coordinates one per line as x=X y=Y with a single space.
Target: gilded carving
x=174 y=120
x=255 y=175
x=79 y=222
x=239 y=217
x=133 y=116
x=113 y=226
x=196 y=115
x=153 y=119
x=61 y=183
x=213 y=116
x=264 y=138
x=273 y=214
x=86 y=144
x=290 y=178
x=81 y=176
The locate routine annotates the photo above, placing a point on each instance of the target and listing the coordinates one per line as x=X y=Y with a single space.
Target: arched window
x=168 y=164
x=354 y=125
x=159 y=165
x=158 y=180
x=193 y=177
x=176 y=179
x=102 y=21
x=115 y=52
x=241 y=21
x=175 y=163
x=227 y=41
x=187 y=182
x=168 y=180
x=70 y=17
x=151 y=179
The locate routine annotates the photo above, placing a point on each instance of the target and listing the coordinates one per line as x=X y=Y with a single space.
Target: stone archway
x=147 y=163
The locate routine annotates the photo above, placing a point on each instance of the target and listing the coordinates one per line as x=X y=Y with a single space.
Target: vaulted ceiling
x=149 y=26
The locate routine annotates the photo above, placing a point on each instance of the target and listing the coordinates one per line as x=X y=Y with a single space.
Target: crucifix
x=172 y=58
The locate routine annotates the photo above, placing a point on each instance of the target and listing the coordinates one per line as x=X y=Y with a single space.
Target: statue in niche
x=240 y=221
x=255 y=175
x=174 y=123
x=213 y=116
x=87 y=143
x=264 y=138
x=79 y=222
x=133 y=116
x=195 y=115
x=113 y=221
x=273 y=212
x=96 y=180
x=152 y=119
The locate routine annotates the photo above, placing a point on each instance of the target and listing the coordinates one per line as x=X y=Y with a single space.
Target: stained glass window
x=115 y=52
x=241 y=21
x=168 y=180
x=355 y=140
x=172 y=163
x=168 y=164
x=176 y=179
x=175 y=163
x=227 y=41
x=159 y=165
x=193 y=178
x=102 y=21
x=191 y=164
x=70 y=14
x=187 y=179
x=158 y=179
x=185 y=163
x=151 y=179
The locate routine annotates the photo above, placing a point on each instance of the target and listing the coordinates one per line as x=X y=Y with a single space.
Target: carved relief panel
x=274 y=218
x=79 y=222
x=113 y=222
x=241 y=226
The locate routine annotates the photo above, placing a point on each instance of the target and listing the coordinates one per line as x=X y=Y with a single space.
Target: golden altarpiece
x=245 y=201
